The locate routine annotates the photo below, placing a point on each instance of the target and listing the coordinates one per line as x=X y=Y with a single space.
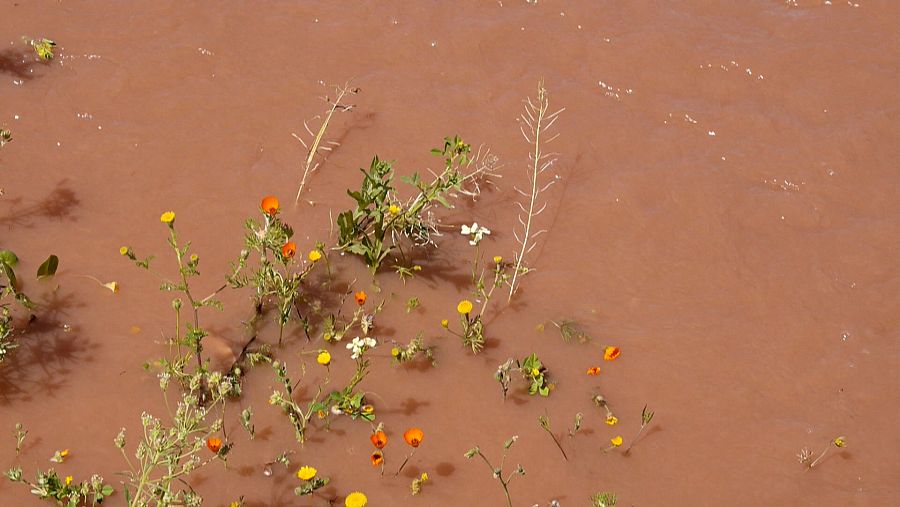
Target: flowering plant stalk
x=279 y=275
x=166 y=455
x=805 y=455
x=188 y=268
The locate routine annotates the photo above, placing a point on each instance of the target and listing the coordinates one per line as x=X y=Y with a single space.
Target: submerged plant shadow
x=48 y=351
x=59 y=205
x=19 y=63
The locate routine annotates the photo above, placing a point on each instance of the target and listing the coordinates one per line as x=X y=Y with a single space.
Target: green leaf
x=9 y=258
x=11 y=275
x=48 y=268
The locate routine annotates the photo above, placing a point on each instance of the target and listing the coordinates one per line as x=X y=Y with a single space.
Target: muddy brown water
x=727 y=213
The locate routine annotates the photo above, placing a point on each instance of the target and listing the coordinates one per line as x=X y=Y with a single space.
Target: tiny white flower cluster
x=475 y=233
x=359 y=345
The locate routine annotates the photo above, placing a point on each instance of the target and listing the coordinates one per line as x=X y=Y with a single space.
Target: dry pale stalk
x=315 y=146
x=535 y=124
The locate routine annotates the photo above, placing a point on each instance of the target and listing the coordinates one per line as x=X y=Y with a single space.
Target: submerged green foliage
x=381 y=222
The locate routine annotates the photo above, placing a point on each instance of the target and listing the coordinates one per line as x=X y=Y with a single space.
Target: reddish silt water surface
x=727 y=213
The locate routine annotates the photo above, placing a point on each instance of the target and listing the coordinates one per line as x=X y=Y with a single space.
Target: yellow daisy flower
x=324 y=358
x=314 y=255
x=168 y=217
x=356 y=499
x=464 y=307
x=306 y=473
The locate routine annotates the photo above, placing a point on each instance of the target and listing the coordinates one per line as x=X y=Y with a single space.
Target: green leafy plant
x=43 y=47
x=415 y=347
x=9 y=293
x=497 y=471
x=536 y=374
x=310 y=481
x=349 y=401
x=604 y=499
x=64 y=491
x=532 y=370
x=381 y=222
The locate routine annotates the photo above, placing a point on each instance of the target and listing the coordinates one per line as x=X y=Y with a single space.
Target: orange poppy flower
x=593 y=370
x=360 y=297
x=610 y=353
x=270 y=204
x=379 y=439
x=414 y=436
x=377 y=458
x=289 y=249
x=214 y=444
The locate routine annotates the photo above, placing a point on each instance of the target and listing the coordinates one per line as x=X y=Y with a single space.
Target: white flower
x=475 y=233
x=359 y=345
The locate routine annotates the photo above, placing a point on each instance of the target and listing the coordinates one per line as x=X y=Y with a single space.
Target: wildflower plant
x=43 y=47
x=535 y=373
x=497 y=471
x=64 y=491
x=168 y=454
x=348 y=400
x=413 y=438
x=310 y=481
x=192 y=334
x=278 y=275
x=9 y=293
x=415 y=347
x=805 y=455
x=381 y=222
x=335 y=326
x=417 y=483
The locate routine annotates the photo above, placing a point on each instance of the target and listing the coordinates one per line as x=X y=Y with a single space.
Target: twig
x=538 y=119
x=317 y=138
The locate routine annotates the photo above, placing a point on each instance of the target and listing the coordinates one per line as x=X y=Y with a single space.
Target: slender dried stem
x=536 y=121
x=317 y=138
